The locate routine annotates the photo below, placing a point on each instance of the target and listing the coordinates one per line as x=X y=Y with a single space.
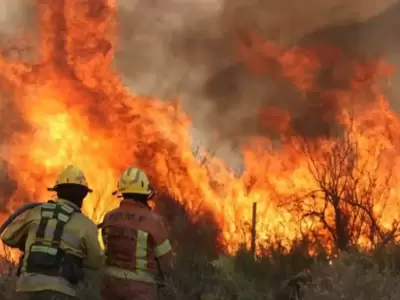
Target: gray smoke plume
x=174 y=47
x=16 y=16
x=177 y=48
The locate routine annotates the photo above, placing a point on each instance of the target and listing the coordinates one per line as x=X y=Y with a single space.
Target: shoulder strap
x=52 y=210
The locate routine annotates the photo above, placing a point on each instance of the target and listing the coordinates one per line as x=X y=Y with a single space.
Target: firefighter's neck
x=131 y=201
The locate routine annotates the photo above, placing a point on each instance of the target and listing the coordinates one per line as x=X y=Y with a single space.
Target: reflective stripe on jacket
x=38 y=282
x=80 y=238
x=138 y=275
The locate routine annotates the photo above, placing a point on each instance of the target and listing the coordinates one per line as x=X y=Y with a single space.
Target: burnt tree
x=350 y=185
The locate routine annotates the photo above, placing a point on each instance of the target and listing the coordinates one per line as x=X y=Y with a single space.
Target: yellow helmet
x=71 y=175
x=134 y=181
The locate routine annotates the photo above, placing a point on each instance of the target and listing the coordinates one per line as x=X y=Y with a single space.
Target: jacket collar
x=69 y=203
x=133 y=203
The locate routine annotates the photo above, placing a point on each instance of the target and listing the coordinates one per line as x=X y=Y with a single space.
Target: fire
x=73 y=108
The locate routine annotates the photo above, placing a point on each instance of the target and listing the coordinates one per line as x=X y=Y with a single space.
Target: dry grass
x=201 y=274
x=350 y=277
x=354 y=277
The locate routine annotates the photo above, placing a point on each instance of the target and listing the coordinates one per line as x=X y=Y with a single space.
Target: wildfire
x=73 y=108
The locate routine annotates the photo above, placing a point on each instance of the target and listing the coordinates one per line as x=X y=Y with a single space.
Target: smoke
x=17 y=20
x=186 y=49
x=16 y=16
x=374 y=37
x=9 y=12
x=181 y=48
x=170 y=49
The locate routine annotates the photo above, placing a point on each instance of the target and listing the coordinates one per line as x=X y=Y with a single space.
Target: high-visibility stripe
x=49 y=205
x=48 y=214
x=44 y=249
x=163 y=248
x=68 y=237
x=141 y=250
x=67 y=209
x=29 y=282
x=138 y=275
x=63 y=218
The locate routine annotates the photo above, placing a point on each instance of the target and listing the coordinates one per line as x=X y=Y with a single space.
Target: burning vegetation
x=322 y=167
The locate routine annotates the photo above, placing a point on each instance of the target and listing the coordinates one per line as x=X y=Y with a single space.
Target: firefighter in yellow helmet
x=58 y=241
x=136 y=242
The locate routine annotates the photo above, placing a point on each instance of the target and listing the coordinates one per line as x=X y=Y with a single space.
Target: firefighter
x=136 y=242
x=58 y=241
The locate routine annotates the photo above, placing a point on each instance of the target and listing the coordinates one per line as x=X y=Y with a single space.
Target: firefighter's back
x=135 y=240
x=57 y=236
x=57 y=240
x=130 y=235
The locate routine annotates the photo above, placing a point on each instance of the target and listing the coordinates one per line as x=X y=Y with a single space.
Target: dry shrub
x=195 y=239
x=7 y=280
x=351 y=276
x=355 y=277
x=200 y=274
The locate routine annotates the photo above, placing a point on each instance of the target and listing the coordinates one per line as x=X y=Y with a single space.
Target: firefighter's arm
x=15 y=234
x=166 y=261
x=94 y=259
x=163 y=249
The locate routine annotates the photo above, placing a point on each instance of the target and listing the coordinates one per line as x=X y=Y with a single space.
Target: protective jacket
x=58 y=242
x=134 y=237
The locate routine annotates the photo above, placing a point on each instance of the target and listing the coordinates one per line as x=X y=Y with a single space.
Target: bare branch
x=351 y=183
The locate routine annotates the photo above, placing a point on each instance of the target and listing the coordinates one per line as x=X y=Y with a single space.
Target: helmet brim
x=150 y=195
x=54 y=189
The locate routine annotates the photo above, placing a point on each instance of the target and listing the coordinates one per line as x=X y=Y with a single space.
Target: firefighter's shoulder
x=155 y=217
x=33 y=214
x=159 y=223
x=107 y=214
x=83 y=222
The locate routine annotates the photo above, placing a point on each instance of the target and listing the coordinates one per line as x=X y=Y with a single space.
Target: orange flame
x=73 y=108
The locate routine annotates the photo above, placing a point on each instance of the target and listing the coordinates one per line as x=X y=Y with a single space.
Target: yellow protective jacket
x=80 y=238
